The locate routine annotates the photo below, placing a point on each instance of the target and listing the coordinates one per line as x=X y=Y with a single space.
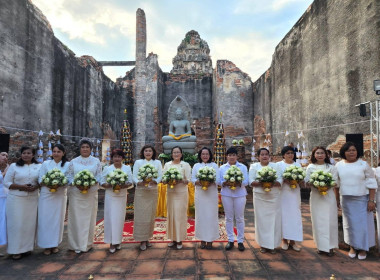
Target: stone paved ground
x=160 y=262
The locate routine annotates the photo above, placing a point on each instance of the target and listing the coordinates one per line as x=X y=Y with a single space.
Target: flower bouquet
x=234 y=175
x=147 y=173
x=322 y=181
x=85 y=179
x=117 y=178
x=53 y=179
x=171 y=176
x=206 y=175
x=266 y=176
x=294 y=174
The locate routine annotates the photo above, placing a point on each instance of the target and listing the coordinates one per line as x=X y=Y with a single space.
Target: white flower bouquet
x=147 y=173
x=322 y=181
x=233 y=176
x=206 y=175
x=294 y=174
x=85 y=179
x=171 y=176
x=267 y=175
x=117 y=178
x=53 y=179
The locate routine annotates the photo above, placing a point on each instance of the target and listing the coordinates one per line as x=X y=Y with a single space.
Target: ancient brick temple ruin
x=321 y=69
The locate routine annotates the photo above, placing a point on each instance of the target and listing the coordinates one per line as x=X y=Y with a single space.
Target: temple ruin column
x=139 y=116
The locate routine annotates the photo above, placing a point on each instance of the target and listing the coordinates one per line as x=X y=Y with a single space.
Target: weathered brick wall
x=323 y=67
x=232 y=94
x=45 y=87
x=196 y=90
x=140 y=98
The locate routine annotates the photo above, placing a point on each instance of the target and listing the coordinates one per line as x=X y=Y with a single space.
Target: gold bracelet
x=371 y=200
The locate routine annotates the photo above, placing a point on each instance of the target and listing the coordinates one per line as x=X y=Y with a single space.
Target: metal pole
x=371 y=130
x=377 y=132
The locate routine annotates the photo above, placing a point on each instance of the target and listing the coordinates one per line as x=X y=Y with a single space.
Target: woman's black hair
x=20 y=162
x=171 y=152
x=200 y=152
x=148 y=147
x=314 y=160
x=85 y=141
x=345 y=148
x=231 y=150
x=62 y=148
x=118 y=152
x=262 y=149
x=286 y=149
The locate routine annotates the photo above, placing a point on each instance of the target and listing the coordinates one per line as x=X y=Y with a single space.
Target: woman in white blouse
x=377 y=174
x=145 y=203
x=115 y=202
x=206 y=202
x=177 y=200
x=3 y=201
x=267 y=206
x=52 y=205
x=290 y=204
x=323 y=208
x=357 y=187
x=22 y=202
x=83 y=207
x=234 y=200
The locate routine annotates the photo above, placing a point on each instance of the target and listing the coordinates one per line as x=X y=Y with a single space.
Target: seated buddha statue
x=179 y=134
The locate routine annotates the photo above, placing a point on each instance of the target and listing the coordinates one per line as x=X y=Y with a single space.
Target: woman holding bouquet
x=267 y=205
x=83 y=206
x=145 y=196
x=115 y=201
x=176 y=226
x=234 y=199
x=206 y=201
x=357 y=186
x=22 y=202
x=323 y=208
x=52 y=205
x=290 y=204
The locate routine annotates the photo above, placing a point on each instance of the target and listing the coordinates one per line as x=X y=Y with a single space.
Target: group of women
x=35 y=213
x=278 y=220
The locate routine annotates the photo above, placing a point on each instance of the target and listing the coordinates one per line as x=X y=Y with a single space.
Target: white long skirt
x=358 y=223
x=206 y=213
x=145 y=212
x=324 y=218
x=176 y=225
x=21 y=222
x=82 y=218
x=114 y=215
x=51 y=217
x=291 y=213
x=267 y=210
x=3 y=221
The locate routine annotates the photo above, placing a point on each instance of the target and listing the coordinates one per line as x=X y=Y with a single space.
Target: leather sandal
x=209 y=245
x=203 y=244
x=263 y=250
x=47 y=252
x=16 y=256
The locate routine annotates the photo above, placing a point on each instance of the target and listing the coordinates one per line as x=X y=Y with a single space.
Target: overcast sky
x=245 y=32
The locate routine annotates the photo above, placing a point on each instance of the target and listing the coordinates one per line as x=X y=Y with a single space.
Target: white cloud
x=279 y=4
x=63 y=16
x=259 y=6
x=252 y=54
